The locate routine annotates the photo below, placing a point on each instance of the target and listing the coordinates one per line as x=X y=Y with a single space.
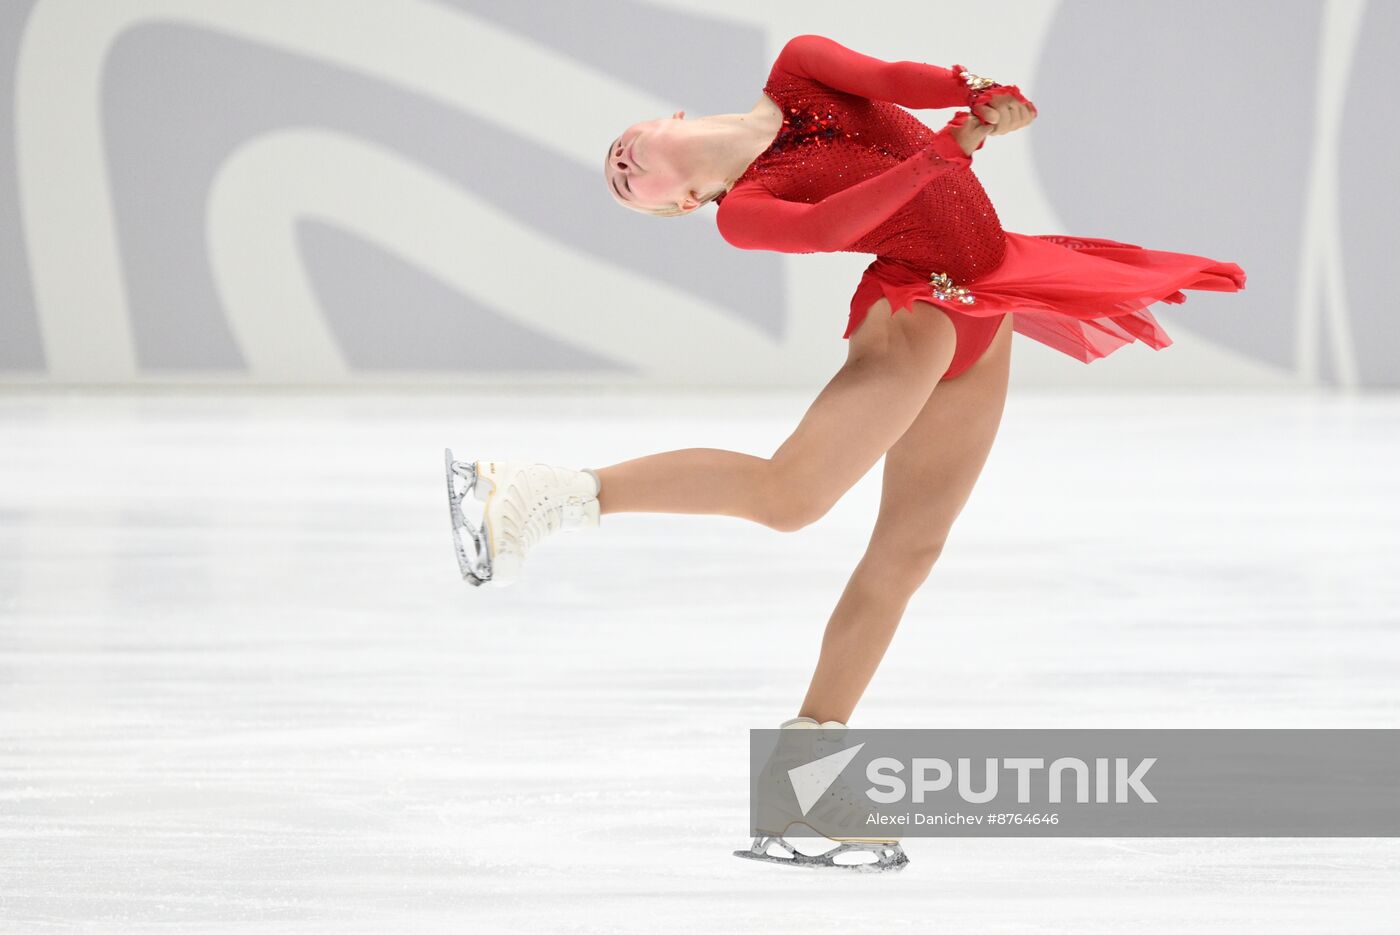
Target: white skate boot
x=524 y=503
x=838 y=803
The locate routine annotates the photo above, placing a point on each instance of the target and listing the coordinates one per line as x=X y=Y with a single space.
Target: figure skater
x=828 y=160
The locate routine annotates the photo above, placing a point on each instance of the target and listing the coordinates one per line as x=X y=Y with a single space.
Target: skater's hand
x=1004 y=114
x=968 y=131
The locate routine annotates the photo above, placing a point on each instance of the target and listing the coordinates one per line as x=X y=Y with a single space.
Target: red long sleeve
x=907 y=83
x=752 y=218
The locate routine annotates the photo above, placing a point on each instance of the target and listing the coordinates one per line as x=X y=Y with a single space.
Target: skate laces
x=534 y=506
x=544 y=521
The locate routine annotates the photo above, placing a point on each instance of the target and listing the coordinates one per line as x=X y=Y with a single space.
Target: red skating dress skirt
x=1083 y=296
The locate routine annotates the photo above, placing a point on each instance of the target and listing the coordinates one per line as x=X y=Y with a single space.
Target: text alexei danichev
x=919 y=818
x=958 y=818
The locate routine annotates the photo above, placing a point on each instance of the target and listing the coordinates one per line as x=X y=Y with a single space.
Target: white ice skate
x=523 y=503
x=838 y=802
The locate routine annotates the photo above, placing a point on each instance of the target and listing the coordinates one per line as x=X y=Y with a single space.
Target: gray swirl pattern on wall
x=267 y=201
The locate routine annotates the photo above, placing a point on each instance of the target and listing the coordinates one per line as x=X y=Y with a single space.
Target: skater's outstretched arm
x=907 y=83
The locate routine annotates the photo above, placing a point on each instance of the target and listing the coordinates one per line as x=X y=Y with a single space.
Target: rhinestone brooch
x=976 y=82
x=943 y=288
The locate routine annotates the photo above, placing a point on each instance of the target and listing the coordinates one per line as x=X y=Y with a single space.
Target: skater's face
x=651 y=164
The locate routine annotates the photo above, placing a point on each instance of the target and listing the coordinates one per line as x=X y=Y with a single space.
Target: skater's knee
x=788 y=514
x=903 y=567
x=787 y=505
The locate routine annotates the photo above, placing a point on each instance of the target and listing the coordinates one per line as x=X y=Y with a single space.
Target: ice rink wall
x=333 y=192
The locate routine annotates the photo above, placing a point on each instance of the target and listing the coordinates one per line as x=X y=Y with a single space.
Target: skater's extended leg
x=892 y=365
x=928 y=477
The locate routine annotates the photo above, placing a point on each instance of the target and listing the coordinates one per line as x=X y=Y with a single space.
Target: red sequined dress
x=852 y=171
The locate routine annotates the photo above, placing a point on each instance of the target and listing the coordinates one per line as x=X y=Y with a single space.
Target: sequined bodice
x=832 y=139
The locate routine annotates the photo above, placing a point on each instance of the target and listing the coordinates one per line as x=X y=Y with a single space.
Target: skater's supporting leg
x=892 y=365
x=928 y=477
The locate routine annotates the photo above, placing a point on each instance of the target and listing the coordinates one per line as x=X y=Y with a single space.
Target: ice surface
x=243 y=687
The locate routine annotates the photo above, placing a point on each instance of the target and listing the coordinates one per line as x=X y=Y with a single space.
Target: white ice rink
x=242 y=687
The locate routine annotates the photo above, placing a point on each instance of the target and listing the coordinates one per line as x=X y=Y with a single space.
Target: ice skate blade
x=889 y=858
x=468 y=541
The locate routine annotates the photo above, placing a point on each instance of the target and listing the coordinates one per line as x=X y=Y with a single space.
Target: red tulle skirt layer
x=1083 y=296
